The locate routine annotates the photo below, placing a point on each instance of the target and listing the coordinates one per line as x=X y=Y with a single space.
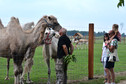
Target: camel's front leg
x=17 y=73
x=29 y=65
x=27 y=69
x=28 y=78
x=49 y=70
x=8 y=65
x=18 y=69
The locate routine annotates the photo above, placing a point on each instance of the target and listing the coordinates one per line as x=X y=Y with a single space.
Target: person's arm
x=111 y=48
x=102 y=52
x=111 y=38
x=71 y=48
x=65 y=49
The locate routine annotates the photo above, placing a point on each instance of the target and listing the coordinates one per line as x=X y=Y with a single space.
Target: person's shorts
x=109 y=65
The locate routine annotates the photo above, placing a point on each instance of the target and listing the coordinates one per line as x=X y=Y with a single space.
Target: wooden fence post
x=91 y=51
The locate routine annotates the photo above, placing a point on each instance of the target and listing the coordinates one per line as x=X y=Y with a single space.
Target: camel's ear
x=45 y=16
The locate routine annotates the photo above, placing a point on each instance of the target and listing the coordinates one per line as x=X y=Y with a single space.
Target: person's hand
x=67 y=54
x=70 y=53
x=107 y=46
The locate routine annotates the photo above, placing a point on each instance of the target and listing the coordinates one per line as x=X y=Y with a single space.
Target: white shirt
x=104 y=53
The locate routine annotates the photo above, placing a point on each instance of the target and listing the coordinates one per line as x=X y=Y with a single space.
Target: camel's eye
x=50 y=18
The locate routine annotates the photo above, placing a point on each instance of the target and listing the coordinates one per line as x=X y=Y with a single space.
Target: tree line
x=85 y=33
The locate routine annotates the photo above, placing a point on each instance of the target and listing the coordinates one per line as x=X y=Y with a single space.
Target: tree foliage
x=121 y=3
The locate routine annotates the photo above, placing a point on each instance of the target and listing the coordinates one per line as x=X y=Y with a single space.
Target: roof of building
x=78 y=34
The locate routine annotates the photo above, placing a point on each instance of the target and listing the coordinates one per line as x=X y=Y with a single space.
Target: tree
x=121 y=3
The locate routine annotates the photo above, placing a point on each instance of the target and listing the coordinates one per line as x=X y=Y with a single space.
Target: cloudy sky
x=71 y=14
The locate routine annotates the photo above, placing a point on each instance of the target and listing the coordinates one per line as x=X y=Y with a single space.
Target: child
x=104 y=53
x=117 y=33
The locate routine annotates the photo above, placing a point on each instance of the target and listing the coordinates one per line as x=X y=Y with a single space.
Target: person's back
x=63 y=40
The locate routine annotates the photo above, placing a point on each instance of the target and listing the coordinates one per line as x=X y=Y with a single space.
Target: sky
x=71 y=14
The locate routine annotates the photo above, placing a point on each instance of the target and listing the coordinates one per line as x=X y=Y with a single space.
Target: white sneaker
x=107 y=83
x=112 y=83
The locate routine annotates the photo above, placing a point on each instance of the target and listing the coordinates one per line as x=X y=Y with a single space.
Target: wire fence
x=76 y=71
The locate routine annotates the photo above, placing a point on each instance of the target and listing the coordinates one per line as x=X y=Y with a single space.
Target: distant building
x=77 y=36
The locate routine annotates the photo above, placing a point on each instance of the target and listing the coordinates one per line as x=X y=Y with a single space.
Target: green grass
x=76 y=71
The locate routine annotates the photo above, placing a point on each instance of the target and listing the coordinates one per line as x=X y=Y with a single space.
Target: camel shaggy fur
x=29 y=55
x=15 y=42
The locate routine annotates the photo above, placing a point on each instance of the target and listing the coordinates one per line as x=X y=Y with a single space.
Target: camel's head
x=47 y=22
x=52 y=22
x=48 y=35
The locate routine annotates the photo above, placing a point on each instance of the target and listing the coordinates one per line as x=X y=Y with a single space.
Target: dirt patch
x=97 y=77
x=122 y=82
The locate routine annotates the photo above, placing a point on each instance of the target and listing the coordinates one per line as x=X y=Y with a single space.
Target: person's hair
x=106 y=35
x=112 y=32
x=63 y=30
x=115 y=27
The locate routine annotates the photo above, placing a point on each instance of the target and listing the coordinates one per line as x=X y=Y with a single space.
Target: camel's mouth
x=56 y=27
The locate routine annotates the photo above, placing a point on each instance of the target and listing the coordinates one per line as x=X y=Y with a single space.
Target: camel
x=80 y=43
x=8 y=59
x=15 y=42
x=29 y=61
x=27 y=28
x=50 y=48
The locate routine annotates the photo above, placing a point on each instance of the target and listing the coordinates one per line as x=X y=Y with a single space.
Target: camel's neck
x=37 y=35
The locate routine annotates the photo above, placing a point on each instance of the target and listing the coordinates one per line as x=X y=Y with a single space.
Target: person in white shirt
x=104 y=53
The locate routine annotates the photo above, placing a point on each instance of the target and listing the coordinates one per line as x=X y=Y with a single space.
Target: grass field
x=76 y=71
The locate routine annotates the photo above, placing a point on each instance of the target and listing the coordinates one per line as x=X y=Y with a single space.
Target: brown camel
x=27 y=28
x=15 y=42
